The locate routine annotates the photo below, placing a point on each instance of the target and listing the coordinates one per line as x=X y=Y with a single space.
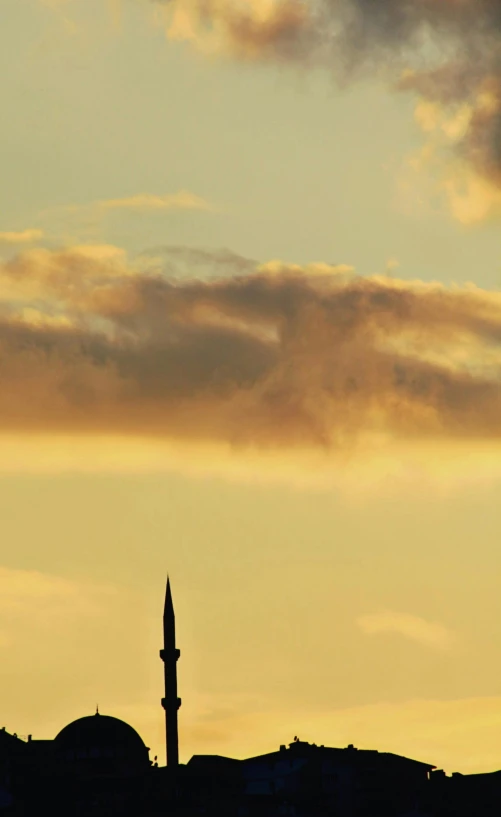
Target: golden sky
x=250 y=333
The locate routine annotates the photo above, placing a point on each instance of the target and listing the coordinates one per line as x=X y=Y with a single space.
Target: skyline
x=250 y=333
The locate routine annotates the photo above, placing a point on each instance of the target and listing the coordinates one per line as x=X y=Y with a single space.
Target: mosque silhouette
x=98 y=766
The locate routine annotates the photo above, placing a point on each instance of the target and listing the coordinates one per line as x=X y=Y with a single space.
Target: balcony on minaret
x=164 y=702
x=166 y=654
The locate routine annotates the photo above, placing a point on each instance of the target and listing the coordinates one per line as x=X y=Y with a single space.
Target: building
x=346 y=782
x=98 y=766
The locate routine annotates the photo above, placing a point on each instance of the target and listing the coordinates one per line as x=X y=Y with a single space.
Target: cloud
x=176 y=201
x=21 y=237
x=471 y=198
x=45 y=603
x=284 y=357
x=445 y=53
x=428 y=633
x=77 y=222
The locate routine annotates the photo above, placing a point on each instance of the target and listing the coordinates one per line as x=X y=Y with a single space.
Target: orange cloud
x=183 y=200
x=21 y=237
x=278 y=357
x=74 y=223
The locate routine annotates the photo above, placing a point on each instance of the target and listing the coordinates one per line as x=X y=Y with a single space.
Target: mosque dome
x=102 y=741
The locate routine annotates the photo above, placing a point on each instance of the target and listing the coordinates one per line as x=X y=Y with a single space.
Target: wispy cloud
x=21 y=237
x=415 y=628
x=30 y=598
x=183 y=200
x=75 y=223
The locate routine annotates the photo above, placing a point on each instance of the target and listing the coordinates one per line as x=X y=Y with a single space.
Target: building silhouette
x=98 y=766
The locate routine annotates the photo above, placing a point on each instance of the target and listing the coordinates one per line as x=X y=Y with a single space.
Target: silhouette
x=98 y=766
x=171 y=703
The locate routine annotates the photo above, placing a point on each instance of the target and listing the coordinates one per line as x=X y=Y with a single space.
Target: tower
x=171 y=702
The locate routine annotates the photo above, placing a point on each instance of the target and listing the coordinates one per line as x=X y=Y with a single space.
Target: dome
x=101 y=738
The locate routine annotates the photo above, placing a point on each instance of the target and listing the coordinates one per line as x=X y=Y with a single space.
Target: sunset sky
x=250 y=334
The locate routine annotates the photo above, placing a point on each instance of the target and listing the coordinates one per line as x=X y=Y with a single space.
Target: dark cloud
x=282 y=356
x=446 y=51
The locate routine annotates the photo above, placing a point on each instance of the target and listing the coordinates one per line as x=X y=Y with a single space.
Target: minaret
x=171 y=702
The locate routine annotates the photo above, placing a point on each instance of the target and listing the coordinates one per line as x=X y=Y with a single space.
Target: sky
x=250 y=334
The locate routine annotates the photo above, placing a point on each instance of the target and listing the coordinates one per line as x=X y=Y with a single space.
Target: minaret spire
x=171 y=702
